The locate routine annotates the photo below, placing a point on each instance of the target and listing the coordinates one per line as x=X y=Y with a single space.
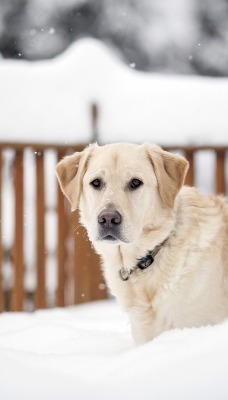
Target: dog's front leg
x=144 y=324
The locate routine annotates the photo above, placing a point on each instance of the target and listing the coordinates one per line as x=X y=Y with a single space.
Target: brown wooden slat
x=17 y=296
x=1 y=250
x=61 y=245
x=40 y=295
x=69 y=255
x=81 y=277
x=88 y=278
x=98 y=290
x=195 y=148
x=189 y=180
x=94 y=122
x=220 y=172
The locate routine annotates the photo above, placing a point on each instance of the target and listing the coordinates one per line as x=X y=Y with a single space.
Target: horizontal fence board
x=79 y=147
x=42 y=147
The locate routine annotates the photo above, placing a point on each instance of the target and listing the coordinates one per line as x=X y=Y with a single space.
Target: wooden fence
x=77 y=274
x=76 y=265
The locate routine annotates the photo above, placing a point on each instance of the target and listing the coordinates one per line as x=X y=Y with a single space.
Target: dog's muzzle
x=109 y=221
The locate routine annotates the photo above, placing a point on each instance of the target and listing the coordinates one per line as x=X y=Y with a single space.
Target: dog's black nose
x=109 y=218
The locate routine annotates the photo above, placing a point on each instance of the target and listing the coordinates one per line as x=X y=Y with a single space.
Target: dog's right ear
x=70 y=171
x=170 y=171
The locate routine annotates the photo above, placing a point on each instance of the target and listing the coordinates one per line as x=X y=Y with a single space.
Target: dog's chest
x=161 y=287
x=145 y=288
x=155 y=287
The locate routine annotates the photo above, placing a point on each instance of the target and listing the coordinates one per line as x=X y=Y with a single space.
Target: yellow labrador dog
x=164 y=246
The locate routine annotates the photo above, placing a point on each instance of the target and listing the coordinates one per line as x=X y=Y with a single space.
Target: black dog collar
x=143 y=262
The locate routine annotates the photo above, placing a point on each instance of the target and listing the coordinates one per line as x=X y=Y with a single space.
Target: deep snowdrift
x=86 y=352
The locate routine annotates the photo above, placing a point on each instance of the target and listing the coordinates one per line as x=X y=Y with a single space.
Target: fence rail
x=69 y=260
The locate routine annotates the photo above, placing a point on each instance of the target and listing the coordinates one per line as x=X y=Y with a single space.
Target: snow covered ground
x=86 y=352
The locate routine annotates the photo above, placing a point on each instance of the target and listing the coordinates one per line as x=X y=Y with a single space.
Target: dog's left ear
x=170 y=171
x=70 y=171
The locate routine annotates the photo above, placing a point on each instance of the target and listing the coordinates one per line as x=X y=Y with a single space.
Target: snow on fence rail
x=45 y=257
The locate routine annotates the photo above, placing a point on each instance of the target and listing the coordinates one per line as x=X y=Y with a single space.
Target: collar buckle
x=124 y=275
x=145 y=262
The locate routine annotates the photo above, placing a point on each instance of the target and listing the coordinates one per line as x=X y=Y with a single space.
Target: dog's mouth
x=110 y=237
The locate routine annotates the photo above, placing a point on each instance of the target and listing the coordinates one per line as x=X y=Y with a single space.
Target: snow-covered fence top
x=45 y=256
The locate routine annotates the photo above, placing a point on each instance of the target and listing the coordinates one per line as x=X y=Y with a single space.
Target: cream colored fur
x=187 y=285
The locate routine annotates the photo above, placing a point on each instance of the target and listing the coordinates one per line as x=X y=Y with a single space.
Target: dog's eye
x=96 y=183
x=135 y=183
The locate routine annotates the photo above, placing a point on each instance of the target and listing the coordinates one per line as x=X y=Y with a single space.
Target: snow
x=87 y=352
x=50 y=101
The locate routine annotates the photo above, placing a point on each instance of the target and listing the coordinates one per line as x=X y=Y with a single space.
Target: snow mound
x=87 y=352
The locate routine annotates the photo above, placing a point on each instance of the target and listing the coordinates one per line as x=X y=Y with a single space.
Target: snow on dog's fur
x=131 y=199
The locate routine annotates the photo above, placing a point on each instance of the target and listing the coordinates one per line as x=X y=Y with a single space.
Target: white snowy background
x=49 y=101
x=86 y=351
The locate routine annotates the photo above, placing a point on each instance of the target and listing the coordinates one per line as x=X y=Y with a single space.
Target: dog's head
x=122 y=190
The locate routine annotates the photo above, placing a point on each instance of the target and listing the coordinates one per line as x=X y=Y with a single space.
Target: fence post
x=40 y=295
x=189 y=154
x=61 y=244
x=220 y=172
x=94 y=122
x=17 y=297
